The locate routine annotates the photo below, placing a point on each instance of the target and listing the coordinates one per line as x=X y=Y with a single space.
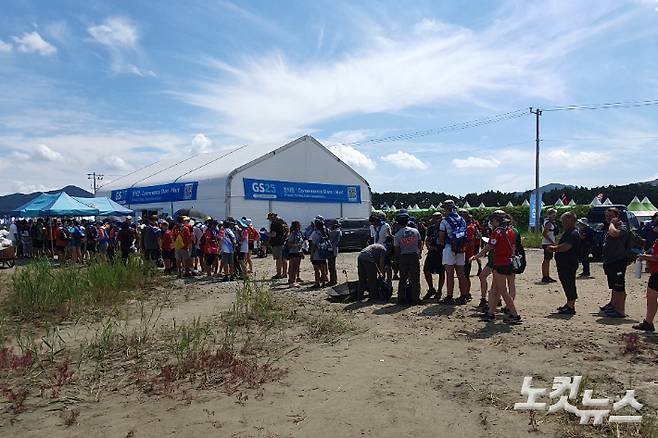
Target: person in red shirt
x=182 y=235
x=652 y=287
x=502 y=243
x=210 y=248
x=168 y=254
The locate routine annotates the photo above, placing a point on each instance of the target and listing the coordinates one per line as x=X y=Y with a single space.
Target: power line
x=607 y=105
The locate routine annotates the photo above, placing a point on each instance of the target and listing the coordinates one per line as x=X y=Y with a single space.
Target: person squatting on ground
x=549 y=231
x=502 y=243
x=434 y=260
x=652 y=287
x=453 y=237
x=615 y=261
x=567 y=253
x=408 y=244
x=371 y=265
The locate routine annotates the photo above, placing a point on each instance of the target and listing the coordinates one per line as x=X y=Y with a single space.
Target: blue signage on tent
x=300 y=192
x=155 y=194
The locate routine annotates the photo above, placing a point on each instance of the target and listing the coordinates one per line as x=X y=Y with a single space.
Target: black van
x=355 y=233
x=596 y=219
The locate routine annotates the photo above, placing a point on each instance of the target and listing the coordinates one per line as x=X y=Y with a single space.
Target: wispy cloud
x=32 y=42
x=352 y=156
x=44 y=153
x=405 y=160
x=452 y=63
x=5 y=47
x=475 y=163
x=120 y=37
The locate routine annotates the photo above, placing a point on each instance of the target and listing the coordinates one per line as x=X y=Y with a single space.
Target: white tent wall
x=305 y=161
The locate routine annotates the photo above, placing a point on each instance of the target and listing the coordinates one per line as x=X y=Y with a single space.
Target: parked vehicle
x=355 y=233
x=596 y=218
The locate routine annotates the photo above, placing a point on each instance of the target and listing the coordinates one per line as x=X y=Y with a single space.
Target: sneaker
x=448 y=301
x=488 y=317
x=483 y=304
x=504 y=310
x=607 y=307
x=614 y=313
x=461 y=300
x=512 y=319
x=566 y=310
x=276 y=277
x=430 y=294
x=646 y=326
x=546 y=280
x=584 y=275
x=468 y=297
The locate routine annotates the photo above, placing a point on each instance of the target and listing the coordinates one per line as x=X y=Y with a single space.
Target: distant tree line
x=581 y=195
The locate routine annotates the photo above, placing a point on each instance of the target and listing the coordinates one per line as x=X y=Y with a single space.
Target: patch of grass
x=327 y=327
x=42 y=290
x=531 y=239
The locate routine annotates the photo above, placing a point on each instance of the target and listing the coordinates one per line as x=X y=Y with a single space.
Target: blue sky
x=112 y=86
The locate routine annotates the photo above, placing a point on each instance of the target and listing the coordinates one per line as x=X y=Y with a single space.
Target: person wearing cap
x=277 y=236
x=182 y=236
x=454 y=255
x=335 y=234
x=319 y=237
x=408 y=244
x=652 y=287
x=615 y=261
x=434 y=259
x=549 y=231
x=253 y=236
x=586 y=242
x=567 y=253
x=151 y=240
x=210 y=245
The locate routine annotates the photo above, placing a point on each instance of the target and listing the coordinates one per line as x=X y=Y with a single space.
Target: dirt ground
x=422 y=371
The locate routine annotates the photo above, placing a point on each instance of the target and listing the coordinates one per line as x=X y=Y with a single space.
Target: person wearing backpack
x=294 y=244
x=615 y=261
x=453 y=237
x=335 y=234
x=320 y=249
x=277 y=237
x=434 y=260
x=567 y=252
x=407 y=246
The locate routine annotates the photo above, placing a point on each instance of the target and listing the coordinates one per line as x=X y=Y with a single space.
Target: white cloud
x=5 y=47
x=120 y=37
x=33 y=43
x=25 y=187
x=352 y=156
x=115 y=32
x=475 y=163
x=393 y=71
x=115 y=163
x=576 y=159
x=200 y=144
x=44 y=153
x=405 y=160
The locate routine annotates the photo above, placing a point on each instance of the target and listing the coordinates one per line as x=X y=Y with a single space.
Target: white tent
x=509 y=204
x=572 y=203
x=607 y=202
x=595 y=202
x=467 y=205
x=298 y=181
x=526 y=203
x=432 y=207
x=415 y=208
x=482 y=205
x=559 y=203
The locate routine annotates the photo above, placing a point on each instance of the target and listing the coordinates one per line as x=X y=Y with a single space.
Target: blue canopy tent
x=53 y=205
x=105 y=206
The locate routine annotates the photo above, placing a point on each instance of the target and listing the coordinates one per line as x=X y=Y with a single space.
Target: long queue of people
x=455 y=241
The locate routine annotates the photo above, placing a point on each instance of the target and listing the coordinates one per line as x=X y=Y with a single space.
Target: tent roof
x=525 y=203
x=55 y=204
x=648 y=206
x=509 y=204
x=467 y=205
x=607 y=202
x=559 y=203
x=482 y=205
x=572 y=203
x=105 y=206
x=635 y=205
x=213 y=165
x=595 y=201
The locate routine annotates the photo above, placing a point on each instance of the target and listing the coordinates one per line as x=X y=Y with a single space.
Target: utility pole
x=537 y=112
x=94 y=177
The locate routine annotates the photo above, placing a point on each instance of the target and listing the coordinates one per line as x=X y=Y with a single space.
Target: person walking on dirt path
x=567 y=253
x=434 y=259
x=615 y=263
x=652 y=287
x=549 y=231
x=407 y=245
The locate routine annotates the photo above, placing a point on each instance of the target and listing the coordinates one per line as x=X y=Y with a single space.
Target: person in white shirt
x=380 y=230
x=13 y=233
x=549 y=230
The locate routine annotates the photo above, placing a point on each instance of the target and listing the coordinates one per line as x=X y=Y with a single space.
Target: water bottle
x=638 y=268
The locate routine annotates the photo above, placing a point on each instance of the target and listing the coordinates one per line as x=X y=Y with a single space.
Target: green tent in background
x=636 y=205
x=647 y=205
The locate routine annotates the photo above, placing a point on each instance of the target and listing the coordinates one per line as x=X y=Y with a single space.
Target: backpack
x=179 y=243
x=325 y=247
x=635 y=245
x=92 y=233
x=459 y=235
x=284 y=227
x=64 y=234
x=520 y=254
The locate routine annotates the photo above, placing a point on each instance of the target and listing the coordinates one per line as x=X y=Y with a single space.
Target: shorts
x=196 y=252
x=227 y=258
x=319 y=262
x=182 y=255
x=434 y=262
x=152 y=254
x=60 y=248
x=653 y=281
x=277 y=252
x=450 y=258
x=616 y=274
x=467 y=268
x=503 y=269
x=242 y=256
x=251 y=246
x=295 y=255
x=168 y=254
x=548 y=255
x=209 y=259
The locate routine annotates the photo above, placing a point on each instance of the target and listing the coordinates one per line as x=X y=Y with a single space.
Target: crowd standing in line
x=452 y=241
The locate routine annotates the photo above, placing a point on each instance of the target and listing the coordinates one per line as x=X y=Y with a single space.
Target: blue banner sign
x=533 y=208
x=156 y=194
x=300 y=192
